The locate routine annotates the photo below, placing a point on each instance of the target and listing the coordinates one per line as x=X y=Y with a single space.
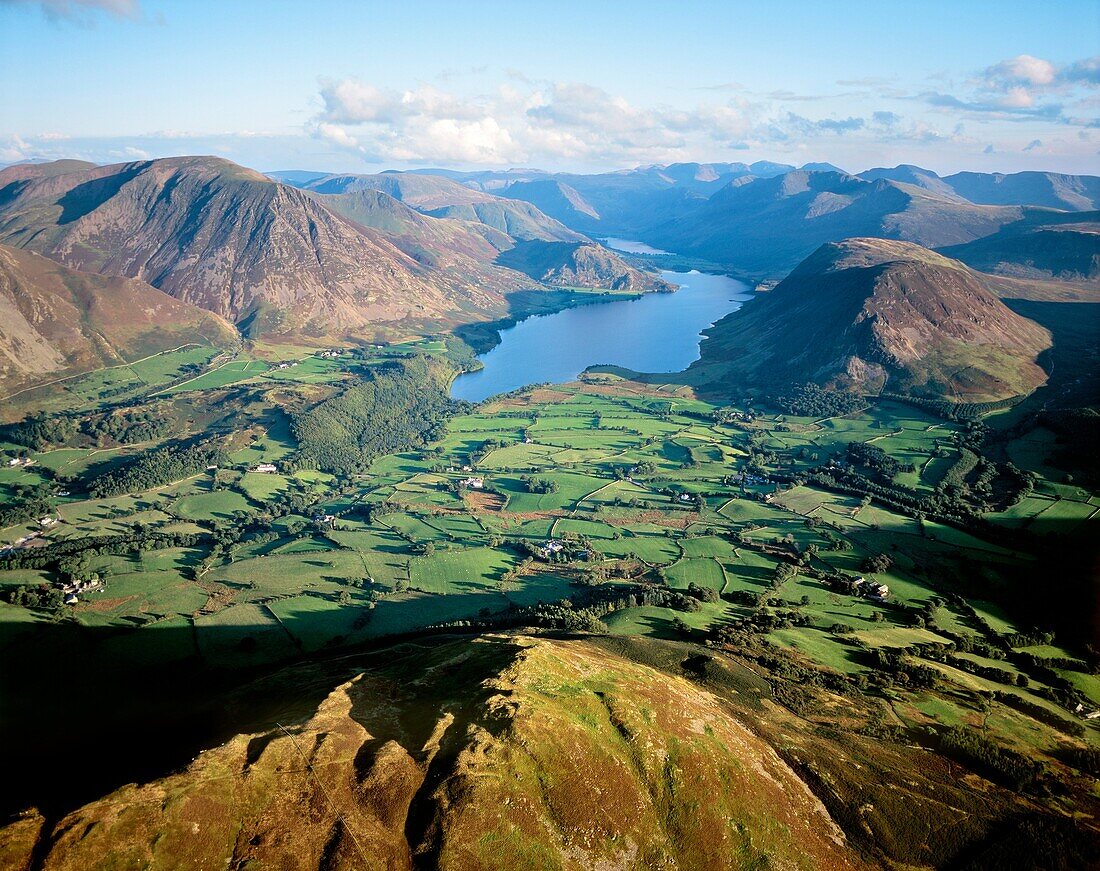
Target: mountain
x=1076 y=193
x=442 y=198
x=874 y=315
x=916 y=176
x=56 y=321
x=553 y=198
x=578 y=264
x=1060 y=246
x=269 y=257
x=610 y=203
x=765 y=226
x=425 y=239
x=821 y=167
x=488 y=754
x=295 y=177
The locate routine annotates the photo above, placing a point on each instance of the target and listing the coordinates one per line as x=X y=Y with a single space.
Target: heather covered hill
x=767 y=226
x=873 y=315
x=227 y=239
x=499 y=754
x=57 y=321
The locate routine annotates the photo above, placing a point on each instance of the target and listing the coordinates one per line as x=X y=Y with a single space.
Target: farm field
x=667 y=519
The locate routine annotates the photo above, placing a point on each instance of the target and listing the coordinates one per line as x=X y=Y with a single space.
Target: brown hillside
x=227 y=239
x=57 y=321
x=873 y=315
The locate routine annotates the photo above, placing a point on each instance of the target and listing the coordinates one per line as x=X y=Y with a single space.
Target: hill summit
x=874 y=315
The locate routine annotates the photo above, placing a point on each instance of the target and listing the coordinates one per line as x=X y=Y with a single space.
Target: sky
x=570 y=86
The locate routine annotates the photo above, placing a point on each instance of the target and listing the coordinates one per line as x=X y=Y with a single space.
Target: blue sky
x=590 y=85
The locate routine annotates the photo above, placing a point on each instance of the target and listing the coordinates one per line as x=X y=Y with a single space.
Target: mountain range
x=350 y=255
x=269 y=257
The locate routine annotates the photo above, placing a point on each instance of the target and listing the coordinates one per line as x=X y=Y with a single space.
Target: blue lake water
x=659 y=332
x=631 y=246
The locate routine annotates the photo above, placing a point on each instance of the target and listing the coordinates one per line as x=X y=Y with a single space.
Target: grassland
x=647 y=486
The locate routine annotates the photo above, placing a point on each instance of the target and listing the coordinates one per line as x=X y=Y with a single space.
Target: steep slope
x=442 y=198
x=554 y=198
x=426 y=239
x=1077 y=193
x=767 y=226
x=56 y=321
x=227 y=239
x=1060 y=246
x=476 y=249
x=504 y=753
x=872 y=315
x=587 y=264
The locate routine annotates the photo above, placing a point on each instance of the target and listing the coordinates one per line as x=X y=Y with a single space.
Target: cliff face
x=57 y=321
x=869 y=315
x=504 y=753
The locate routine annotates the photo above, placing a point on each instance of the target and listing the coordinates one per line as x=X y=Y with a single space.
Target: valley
x=847 y=531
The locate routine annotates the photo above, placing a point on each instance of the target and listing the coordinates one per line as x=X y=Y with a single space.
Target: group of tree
x=154 y=468
x=397 y=406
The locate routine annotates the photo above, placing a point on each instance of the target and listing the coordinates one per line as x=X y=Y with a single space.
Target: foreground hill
x=873 y=315
x=767 y=226
x=57 y=321
x=532 y=754
x=231 y=241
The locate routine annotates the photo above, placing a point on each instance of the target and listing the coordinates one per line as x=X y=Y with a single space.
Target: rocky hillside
x=229 y=240
x=56 y=321
x=873 y=315
x=565 y=264
x=502 y=754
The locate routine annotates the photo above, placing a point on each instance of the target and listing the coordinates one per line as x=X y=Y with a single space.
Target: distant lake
x=630 y=246
x=659 y=332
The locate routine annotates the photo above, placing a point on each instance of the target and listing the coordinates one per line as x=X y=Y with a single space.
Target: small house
x=472 y=483
x=267 y=468
x=551 y=547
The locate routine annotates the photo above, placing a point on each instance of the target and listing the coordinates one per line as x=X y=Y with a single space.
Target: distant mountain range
x=763 y=218
x=874 y=315
x=327 y=257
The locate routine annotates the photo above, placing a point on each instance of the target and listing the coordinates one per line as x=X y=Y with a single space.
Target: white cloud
x=1022 y=70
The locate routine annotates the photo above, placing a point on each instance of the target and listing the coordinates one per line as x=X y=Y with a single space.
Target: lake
x=658 y=332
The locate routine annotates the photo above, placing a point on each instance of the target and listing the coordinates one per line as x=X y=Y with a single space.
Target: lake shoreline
x=556 y=342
